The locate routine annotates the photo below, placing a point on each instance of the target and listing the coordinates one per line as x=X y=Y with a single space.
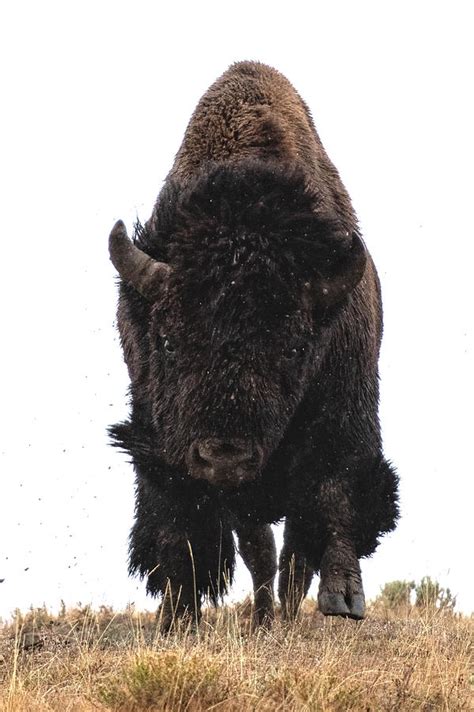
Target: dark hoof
x=335 y=604
x=175 y=622
x=357 y=606
x=263 y=620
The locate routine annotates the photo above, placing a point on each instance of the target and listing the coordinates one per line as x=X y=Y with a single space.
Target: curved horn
x=147 y=275
x=343 y=275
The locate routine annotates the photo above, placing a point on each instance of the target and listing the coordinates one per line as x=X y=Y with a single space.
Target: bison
x=250 y=319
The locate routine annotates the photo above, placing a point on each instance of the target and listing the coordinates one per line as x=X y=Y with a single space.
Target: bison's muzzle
x=225 y=463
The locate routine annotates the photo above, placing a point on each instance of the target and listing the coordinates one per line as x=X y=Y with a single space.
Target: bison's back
x=253 y=112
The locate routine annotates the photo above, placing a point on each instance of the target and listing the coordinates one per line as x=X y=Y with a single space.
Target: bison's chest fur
x=250 y=320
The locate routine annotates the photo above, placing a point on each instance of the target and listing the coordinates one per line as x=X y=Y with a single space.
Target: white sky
x=95 y=99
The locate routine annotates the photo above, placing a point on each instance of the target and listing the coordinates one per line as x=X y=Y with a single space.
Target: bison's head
x=241 y=311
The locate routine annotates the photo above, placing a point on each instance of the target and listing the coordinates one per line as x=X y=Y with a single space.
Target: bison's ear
x=339 y=274
x=148 y=276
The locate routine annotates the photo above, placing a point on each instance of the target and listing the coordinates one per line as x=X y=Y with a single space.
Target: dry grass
x=81 y=661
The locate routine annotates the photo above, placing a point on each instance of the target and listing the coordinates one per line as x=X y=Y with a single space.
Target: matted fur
x=241 y=346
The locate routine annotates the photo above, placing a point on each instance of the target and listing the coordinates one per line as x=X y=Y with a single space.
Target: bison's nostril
x=224 y=460
x=220 y=451
x=196 y=456
x=229 y=450
x=256 y=458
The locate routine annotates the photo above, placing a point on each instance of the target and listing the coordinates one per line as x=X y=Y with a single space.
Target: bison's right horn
x=148 y=276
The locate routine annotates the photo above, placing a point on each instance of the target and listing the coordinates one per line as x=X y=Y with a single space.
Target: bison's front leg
x=340 y=588
x=339 y=520
x=303 y=552
x=184 y=549
x=354 y=507
x=257 y=548
x=174 y=577
x=295 y=572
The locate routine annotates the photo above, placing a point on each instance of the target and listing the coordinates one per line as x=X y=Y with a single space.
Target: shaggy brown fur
x=251 y=320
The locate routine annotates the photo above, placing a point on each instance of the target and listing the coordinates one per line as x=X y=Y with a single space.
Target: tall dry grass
x=82 y=660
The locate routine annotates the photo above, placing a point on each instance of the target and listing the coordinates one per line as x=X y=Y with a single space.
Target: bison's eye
x=168 y=346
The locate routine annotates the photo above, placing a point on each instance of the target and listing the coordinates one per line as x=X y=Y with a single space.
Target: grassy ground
x=81 y=661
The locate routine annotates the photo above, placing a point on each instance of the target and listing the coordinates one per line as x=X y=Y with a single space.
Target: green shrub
x=396 y=594
x=429 y=594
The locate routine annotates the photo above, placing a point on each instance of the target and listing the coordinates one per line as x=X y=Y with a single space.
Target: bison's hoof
x=336 y=604
x=263 y=619
x=177 y=620
x=357 y=606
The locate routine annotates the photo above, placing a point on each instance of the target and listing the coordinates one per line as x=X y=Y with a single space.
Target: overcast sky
x=95 y=100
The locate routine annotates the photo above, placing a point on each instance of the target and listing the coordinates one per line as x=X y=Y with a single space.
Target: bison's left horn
x=148 y=276
x=341 y=276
